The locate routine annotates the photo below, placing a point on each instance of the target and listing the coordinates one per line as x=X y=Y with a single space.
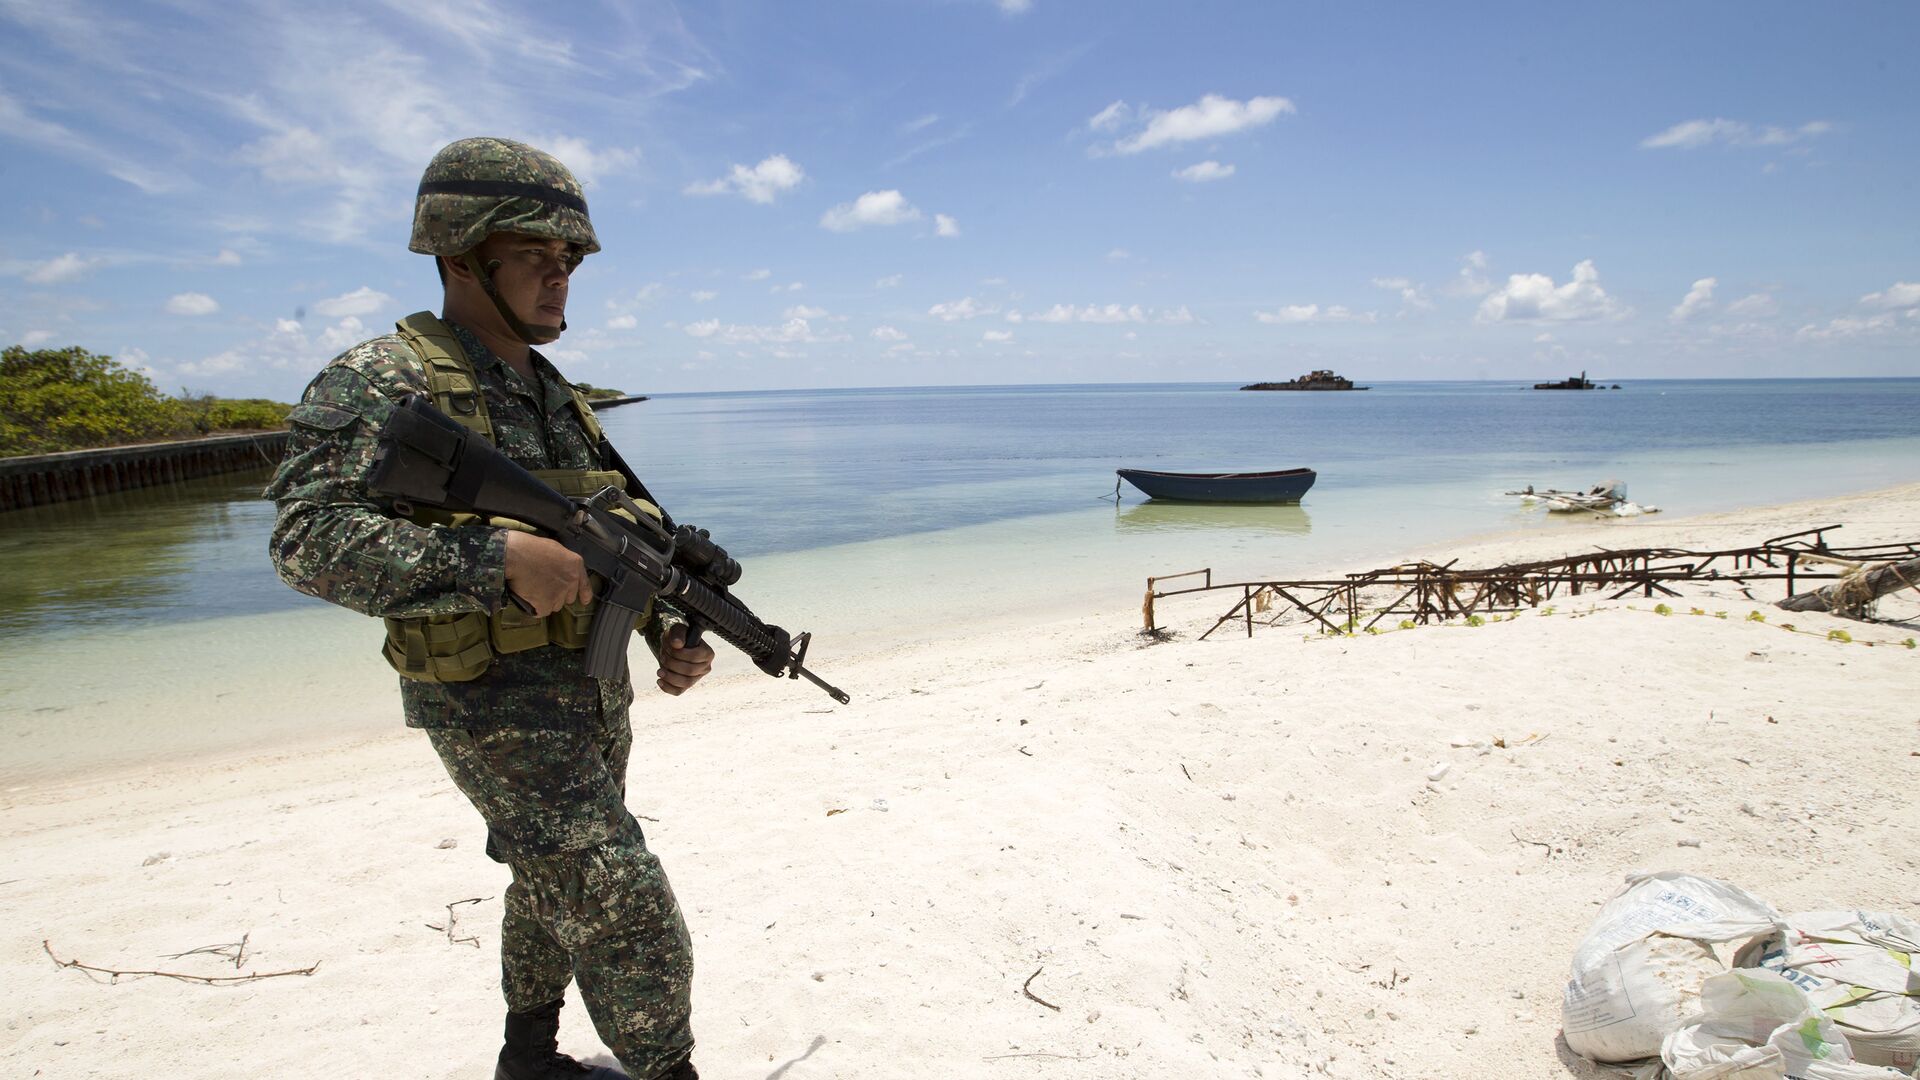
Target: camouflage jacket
x=332 y=539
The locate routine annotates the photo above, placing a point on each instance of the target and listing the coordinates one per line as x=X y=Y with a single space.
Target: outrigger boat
x=1278 y=486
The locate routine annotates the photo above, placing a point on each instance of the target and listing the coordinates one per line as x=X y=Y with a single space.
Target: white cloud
x=874 y=208
x=1472 y=279
x=1697 y=298
x=891 y=281
x=36 y=337
x=794 y=331
x=1119 y=255
x=1903 y=294
x=802 y=311
x=227 y=257
x=1313 y=313
x=362 y=301
x=1754 y=304
x=1092 y=313
x=192 y=303
x=622 y=322
x=1847 y=327
x=888 y=333
x=586 y=163
x=997 y=336
x=791 y=286
x=1015 y=7
x=1179 y=316
x=1534 y=297
x=921 y=123
x=1693 y=134
x=759 y=184
x=63 y=268
x=757 y=275
x=285 y=348
x=1203 y=172
x=701 y=296
x=347 y=332
x=966 y=308
x=1210 y=117
x=1111 y=117
x=945 y=226
x=1412 y=295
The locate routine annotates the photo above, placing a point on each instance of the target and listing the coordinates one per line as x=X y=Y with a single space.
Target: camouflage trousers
x=588 y=900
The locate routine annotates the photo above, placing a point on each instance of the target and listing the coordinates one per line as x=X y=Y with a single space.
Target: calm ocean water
x=783 y=473
x=148 y=627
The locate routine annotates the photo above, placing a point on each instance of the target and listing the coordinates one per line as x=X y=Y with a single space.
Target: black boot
x=682 y=1071
x=532 y=1050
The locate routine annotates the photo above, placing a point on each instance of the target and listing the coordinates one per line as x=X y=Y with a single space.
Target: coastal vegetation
x=70 y=399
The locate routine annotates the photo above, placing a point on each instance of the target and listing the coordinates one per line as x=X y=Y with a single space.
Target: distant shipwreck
x=1312 y=380
x=1578 y=382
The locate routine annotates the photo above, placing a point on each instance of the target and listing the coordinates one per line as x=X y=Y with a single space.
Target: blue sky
x=933 y=192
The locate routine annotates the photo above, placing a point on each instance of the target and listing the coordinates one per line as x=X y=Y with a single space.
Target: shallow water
x=150 y=622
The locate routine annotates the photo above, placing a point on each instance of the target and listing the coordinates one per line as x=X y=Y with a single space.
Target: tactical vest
x=459 y=648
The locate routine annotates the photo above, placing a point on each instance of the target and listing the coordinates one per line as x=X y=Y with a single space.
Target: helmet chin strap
x=535 y=334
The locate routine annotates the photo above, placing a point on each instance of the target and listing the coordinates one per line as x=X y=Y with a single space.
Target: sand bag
x=1755 y=1025
x=1637 y=974
x=1859 y=967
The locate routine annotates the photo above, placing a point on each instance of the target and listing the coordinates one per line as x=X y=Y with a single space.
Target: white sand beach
x=1217 y=858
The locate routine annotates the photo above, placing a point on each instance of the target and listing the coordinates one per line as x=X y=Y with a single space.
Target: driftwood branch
x=1851 y=595
x=114 y=976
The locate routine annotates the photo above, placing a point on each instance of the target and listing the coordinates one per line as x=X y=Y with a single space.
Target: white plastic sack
x=1637 y=974
x=1859 y=967
x=1755 y=1025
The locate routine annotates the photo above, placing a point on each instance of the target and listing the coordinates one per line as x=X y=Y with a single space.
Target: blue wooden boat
x=1281 y=486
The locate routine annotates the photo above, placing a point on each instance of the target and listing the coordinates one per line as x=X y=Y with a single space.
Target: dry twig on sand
x=1031 y=996
x=453 y=918
x=208 y=980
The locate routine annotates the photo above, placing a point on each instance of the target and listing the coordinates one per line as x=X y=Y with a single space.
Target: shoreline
x=374 y=697
x=1240 y=857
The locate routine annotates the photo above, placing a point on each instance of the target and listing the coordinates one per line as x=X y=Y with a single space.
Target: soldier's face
x=532 y=276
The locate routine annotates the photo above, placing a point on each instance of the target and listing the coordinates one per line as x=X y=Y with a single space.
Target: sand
x=1199 y=859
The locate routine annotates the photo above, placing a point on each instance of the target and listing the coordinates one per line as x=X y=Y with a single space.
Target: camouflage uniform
x=537 y=746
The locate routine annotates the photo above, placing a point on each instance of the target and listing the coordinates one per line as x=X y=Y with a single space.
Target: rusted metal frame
x=1223 y=619
x=1304 y=606
x=1391 y=606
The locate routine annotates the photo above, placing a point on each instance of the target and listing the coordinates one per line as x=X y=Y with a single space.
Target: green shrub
x=69 y=399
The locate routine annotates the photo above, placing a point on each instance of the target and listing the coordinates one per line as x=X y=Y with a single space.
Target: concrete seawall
x=82 y=474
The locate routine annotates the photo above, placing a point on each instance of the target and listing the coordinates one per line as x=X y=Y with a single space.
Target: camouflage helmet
x=476 y=187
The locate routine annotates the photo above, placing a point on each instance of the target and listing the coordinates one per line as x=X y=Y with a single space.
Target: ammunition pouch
x=461 y=647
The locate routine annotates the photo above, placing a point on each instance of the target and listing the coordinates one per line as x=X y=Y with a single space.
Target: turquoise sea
x=880 y=515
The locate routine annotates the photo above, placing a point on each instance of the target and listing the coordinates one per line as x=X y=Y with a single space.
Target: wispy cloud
x=60 y=269
x=965 y=308
x=1413 y=295
x=1692 y=134
x=1314 y=313
x=333 y=112
x=364 y=300
x=1204 y=172
x=1211 y=117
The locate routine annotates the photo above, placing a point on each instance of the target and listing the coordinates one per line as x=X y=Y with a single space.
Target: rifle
x=427 y=459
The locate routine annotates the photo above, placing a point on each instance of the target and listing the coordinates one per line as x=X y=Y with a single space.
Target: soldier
x=538 y=747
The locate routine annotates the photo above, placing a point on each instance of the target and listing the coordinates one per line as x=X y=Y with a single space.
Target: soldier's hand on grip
x=544 y=573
